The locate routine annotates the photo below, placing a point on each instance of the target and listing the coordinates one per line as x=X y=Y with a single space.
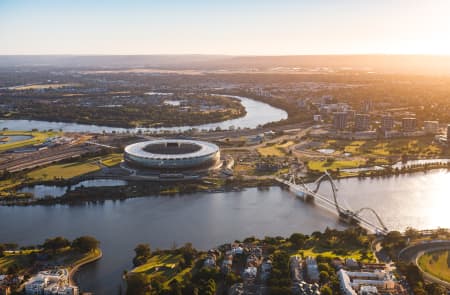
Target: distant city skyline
x=264 y=27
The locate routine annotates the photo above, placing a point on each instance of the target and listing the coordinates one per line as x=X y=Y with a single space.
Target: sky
x=231 y=27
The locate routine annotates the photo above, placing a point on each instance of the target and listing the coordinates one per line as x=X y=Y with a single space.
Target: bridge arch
x=327 y=177
x=380 y=221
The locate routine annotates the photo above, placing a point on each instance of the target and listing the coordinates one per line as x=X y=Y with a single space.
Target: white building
x=350 y=282
x=50 y=282
x=312 y=269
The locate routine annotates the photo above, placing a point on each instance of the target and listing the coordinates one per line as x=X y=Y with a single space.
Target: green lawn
x=437 y=264
x=271 y=151
x=354 y=147
x=45 y=86
x=37 y=138
x=63 y=171
x=111 y=160
x=165 y=265
x=341 y=164
x=354 y=254
x=421 y=147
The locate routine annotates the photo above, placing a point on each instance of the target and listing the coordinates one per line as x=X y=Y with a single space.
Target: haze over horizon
x=267 y=28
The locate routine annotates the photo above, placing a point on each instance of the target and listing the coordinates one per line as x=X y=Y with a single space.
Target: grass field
x=270 y=151
x=37 y=138
x=165 y=265
x=44 y=86
x=437 y=264
x=341 y=164
x=111 y=160
x=421 y=147
x=275 y=150
x=63 y=171
x=354 y=147
x=354 y=254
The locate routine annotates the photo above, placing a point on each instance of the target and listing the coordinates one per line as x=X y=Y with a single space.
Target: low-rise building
x=312 y=269
x=50 y=282
x=226 y=264
x=350 y=282
x=250 y=273
x=295 y=265
x=266 y=269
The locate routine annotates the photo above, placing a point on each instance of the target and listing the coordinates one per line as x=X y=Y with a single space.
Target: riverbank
x=90 y=258
x=135 y=188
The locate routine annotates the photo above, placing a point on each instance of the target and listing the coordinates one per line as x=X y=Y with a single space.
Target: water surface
x=419 y=200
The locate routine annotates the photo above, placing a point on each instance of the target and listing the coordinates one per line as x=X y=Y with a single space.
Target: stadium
x=173 y=155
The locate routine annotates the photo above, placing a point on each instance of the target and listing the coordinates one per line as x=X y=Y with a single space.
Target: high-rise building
x=431 y=127
x=367 y=106
x=409 y=124
x=362 y=122
x=387 y=123
x=351 y=115
x=448 y=133
x=340 y=120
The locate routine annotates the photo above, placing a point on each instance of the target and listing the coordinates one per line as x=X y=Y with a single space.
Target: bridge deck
x=332 y=206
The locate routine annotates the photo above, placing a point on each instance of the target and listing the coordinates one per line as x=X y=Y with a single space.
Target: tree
x=136 y=284
x=2 y=249
x=189 y=254
x=143 y=253
x=85 y=243
x=56 y=244
x=232 y=278
x=143 y=250
x=411 y=233
x=298 y=240
x=324 y=277
x=325 y=290
x=434 y=289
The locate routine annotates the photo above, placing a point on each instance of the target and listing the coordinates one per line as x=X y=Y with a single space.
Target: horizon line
x=227 y=55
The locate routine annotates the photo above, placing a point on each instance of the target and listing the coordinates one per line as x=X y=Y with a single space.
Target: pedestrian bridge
x=345 y=214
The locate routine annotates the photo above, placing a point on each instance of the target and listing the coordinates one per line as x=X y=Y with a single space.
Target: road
x=412 y=254
x=44 y=157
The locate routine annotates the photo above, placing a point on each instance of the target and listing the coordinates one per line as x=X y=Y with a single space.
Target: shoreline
x=140 y=189
x=77 y=266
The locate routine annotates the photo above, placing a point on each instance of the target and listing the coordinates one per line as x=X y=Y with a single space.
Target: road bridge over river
x=345 y=214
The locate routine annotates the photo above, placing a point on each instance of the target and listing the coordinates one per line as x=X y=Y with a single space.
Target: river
x=420 y=200
x=258 y=113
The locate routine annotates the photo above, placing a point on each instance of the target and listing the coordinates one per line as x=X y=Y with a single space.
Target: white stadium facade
x=173 y=155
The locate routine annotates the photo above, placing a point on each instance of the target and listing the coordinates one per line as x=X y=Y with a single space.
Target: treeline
x=83 y=244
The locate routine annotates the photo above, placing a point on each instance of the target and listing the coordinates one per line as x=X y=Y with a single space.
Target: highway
x=44 y=157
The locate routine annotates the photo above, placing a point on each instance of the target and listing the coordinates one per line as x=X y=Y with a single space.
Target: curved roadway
x=411 y=255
